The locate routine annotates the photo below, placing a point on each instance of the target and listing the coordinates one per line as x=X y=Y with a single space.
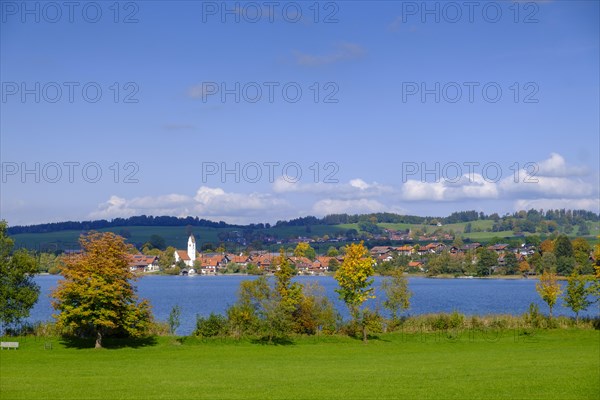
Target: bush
x=54 y=270
x=159 y=328
x=315 y=312
x=214 y=325
x=533 y=318
x=46 y=329
x=172 y=271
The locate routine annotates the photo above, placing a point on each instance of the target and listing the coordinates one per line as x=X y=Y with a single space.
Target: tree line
x=528 y=219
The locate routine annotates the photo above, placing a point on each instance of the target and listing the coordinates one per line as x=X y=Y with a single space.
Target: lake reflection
x=201 y=295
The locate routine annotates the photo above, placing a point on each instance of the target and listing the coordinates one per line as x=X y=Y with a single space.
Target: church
x=189 y=256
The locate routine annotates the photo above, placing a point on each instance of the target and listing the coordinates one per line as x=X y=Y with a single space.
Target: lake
x=201 y=295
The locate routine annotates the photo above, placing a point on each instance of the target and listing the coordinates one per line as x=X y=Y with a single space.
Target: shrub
x=172 y=271
x=315 y=312
x=214 y=325
x=533 y=318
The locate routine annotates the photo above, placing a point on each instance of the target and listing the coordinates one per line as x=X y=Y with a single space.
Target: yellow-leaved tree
x=354 y=279
x=96 y=297
x=549 y=289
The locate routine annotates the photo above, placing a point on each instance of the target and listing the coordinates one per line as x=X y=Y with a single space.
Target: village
x=192 y=262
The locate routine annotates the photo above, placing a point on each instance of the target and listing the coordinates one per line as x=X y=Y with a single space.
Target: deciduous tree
x=303 y=249
x=549 y=289
x=96 y=296
x=510 y=263
x=18 y=291
x=547 y=246
x=397 y=293
x=354 y=279
x=563 y=247
x=524 y=267
x=486 y=259
x=576 y=295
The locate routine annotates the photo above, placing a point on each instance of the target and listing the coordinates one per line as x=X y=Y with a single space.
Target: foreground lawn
x=560 y=364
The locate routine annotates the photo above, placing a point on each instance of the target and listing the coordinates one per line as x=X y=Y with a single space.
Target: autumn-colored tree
x=397 y=293
x=524 y=267
x=96 y=296
x=549 y=289
x=303 y=249
x=576 y=295
x=18 y=291
x=547 y=246
x=354 y=279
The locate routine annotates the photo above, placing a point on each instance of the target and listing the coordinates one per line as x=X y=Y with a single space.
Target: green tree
x=486 y=259
x=167 y=258
x=354 y=280
x=467 y=228
x=397 y=293
x=333 y=264
x=565 y=265
x=174 y=319
x=549 y=289
x=583 y=229
x=332 y=252
x=351 y=234
x=581 y=251
x=18 y=291
x=563 y=247
x=156 y=242
x=96 y=296
x=548 y=262
x=576 y=295
x=289 y=292
x=533 y=240
x=510 y=263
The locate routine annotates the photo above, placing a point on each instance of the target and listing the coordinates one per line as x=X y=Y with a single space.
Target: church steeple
x=191 y=250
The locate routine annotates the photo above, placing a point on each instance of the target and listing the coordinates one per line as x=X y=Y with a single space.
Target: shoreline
x=495 y=277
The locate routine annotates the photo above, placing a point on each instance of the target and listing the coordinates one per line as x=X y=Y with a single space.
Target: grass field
x=558 y=364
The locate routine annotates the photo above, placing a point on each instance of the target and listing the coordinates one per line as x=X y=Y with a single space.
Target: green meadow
x=549 y=364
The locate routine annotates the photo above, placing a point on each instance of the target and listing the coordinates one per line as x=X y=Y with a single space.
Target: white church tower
x=191 y=250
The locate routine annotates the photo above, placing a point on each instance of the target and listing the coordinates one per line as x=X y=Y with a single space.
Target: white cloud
x=556 y=166
x=548 y=179
x=210 y=203
x=354 y=189
x=287 y=200
x=215 y=201
x=473 y=187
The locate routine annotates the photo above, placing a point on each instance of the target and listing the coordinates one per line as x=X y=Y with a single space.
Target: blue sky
x=389 y=90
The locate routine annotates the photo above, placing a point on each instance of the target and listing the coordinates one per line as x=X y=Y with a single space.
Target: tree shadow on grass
x=108 y=343
x=370 y=337
x=273 y=341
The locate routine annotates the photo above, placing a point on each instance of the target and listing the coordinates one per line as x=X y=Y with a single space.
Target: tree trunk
x=98 y=339
x=364 y=332
x=550 y=312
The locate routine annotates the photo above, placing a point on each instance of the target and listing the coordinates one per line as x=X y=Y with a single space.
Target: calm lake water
x=201 y=295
